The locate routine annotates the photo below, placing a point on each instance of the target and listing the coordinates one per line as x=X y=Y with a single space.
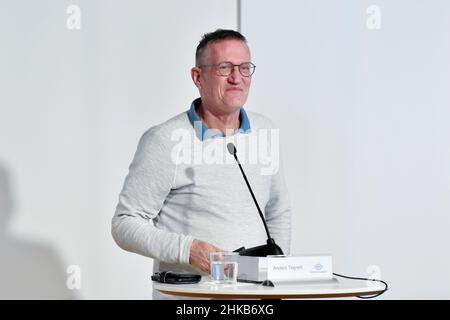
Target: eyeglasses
x=224 y=69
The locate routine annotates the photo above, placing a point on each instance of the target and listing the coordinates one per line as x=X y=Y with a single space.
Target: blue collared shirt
x=203 y=132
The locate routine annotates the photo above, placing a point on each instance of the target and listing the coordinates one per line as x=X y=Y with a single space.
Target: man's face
x=224 y=94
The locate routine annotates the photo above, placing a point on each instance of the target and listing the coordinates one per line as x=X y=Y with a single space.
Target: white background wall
x=364 y=117
x=73 y=105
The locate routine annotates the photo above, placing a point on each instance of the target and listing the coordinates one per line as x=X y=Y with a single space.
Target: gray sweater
x=179 y=188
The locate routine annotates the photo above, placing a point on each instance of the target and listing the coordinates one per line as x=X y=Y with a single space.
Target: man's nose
x=235 y=76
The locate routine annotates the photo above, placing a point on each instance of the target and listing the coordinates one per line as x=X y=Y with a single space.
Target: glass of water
x=224 y=267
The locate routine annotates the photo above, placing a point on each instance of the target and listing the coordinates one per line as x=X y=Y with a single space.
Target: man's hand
x=199 y=255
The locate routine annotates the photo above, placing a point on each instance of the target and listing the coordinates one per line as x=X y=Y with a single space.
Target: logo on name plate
x=318 y=266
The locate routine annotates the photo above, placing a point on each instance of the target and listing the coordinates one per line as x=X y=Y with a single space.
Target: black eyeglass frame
x=252 y=66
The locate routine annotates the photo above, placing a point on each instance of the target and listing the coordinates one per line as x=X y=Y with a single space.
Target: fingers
x=199 y=255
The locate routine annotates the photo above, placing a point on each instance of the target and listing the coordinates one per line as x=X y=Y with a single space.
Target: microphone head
x=231 y=148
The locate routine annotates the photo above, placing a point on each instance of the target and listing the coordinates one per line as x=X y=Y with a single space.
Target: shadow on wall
x=28 y=270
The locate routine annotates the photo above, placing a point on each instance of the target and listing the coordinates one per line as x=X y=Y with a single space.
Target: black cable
x=366 y=279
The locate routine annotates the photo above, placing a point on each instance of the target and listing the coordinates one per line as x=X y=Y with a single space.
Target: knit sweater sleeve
x=146 y=187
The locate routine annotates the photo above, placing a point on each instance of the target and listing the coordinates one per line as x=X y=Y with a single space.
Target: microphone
x=270 y=248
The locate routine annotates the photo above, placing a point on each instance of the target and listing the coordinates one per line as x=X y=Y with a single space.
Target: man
x=183 y=198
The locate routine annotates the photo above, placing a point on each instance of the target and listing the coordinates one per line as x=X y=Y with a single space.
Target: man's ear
x=195 y=75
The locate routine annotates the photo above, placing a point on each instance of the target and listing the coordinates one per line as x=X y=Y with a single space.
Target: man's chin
x=235 y=103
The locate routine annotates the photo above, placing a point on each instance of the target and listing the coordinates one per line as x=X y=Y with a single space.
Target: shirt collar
x=202 y=131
